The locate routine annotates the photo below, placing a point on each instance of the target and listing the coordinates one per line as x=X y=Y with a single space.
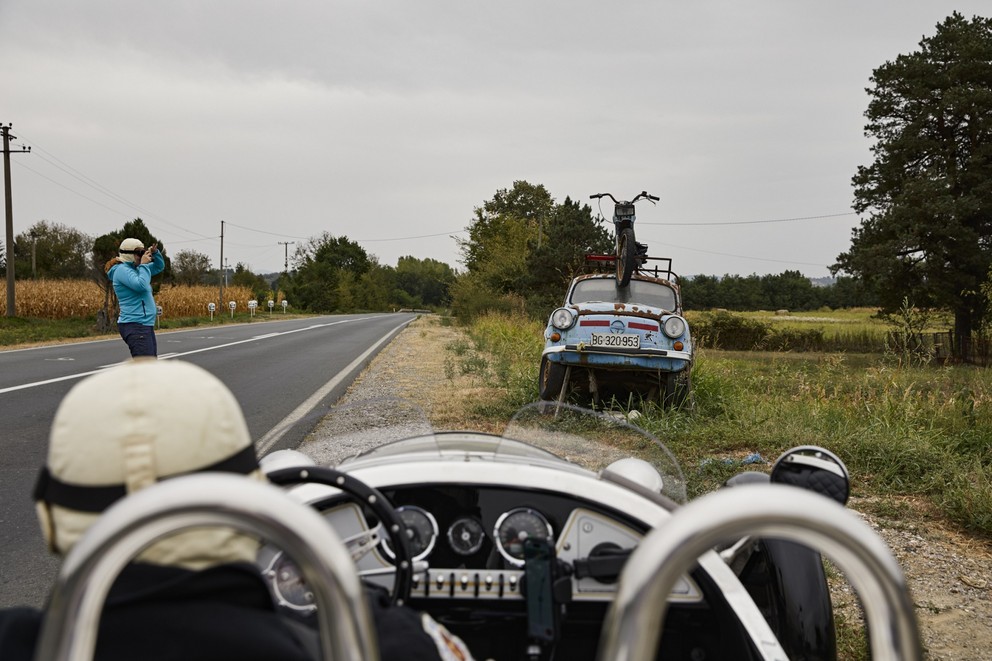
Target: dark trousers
x=140 y=339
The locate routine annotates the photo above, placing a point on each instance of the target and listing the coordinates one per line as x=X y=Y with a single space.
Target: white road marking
x=79 y=375
x=263 y=444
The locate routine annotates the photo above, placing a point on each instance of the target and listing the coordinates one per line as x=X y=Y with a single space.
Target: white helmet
x=127 y=427
x=130 y=248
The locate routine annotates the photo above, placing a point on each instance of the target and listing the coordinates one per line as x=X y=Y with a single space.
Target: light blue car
x=616 y=342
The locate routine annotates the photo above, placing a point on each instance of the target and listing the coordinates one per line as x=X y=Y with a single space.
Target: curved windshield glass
x=645 y=292
x=597 y=442
x=387 y=430
x=367 y=425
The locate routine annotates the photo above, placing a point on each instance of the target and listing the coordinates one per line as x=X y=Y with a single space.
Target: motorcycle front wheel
x=626 y=256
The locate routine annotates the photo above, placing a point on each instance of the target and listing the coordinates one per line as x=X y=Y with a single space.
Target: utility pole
x=223 y=278
x=285 y=267
x=9 y=207
x=287 y=244
x=34 y=253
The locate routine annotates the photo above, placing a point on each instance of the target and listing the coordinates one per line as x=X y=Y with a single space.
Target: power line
x=752 y=222
x=756 y=259
x=79 y=176
x=282 y=234
x=74 y=192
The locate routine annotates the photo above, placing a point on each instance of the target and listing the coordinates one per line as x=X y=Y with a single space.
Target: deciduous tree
x=189 y=267
x=314 y=283
x=52 y=250
x=426 y=281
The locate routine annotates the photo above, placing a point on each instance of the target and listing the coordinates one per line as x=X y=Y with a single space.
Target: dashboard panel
x=467 y=541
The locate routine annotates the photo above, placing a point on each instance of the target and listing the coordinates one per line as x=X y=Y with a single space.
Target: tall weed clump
x=916 y=431
x=506 y=354
x=733 y=332
x=472 y=299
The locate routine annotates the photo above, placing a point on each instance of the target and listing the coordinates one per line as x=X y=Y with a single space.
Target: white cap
x=125 y=428
x=128 y=246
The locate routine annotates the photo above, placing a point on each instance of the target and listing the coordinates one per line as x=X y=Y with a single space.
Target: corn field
x=60 y=299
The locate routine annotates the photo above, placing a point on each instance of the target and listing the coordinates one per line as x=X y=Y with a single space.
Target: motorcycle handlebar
x=644 y=194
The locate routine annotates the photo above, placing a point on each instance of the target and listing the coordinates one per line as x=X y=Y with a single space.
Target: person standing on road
x=131 y=274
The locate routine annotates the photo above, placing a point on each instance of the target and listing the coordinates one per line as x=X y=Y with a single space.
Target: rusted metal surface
x=619 y=307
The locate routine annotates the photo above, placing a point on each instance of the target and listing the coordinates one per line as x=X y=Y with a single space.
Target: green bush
x=795 y=339
x=471 y=299
x=723 y=330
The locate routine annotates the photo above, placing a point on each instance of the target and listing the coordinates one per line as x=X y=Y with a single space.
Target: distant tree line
x=790 y=290
x=328 y=274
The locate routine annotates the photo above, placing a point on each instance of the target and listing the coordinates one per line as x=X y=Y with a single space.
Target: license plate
x=616 y=340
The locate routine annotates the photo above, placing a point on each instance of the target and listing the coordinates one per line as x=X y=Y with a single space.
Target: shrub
x=723 y=330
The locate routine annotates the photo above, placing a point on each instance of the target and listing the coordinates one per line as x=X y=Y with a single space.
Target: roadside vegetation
x=915 y=434
x=54 y=310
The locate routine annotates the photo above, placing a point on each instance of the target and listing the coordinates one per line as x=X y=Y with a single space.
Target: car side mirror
x=815 y=469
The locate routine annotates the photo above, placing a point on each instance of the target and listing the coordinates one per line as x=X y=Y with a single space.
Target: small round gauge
x=421 y=531
x=515 y=526
x=290 y=588
x=466 y=536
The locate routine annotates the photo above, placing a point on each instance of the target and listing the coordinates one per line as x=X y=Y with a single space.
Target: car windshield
x=639 y=291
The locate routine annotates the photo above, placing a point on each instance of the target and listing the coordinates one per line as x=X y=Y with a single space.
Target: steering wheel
x=374 y=500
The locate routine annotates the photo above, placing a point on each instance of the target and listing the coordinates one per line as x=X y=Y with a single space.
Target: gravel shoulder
x=948 y=573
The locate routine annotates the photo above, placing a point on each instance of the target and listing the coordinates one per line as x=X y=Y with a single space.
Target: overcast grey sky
x=390 y=121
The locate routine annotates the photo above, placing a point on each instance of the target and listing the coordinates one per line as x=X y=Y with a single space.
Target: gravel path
x=949 y=574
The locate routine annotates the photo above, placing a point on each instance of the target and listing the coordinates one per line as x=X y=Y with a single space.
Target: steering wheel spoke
x=361 y=544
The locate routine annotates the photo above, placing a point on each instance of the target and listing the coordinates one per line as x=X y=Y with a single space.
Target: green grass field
x=919 y=432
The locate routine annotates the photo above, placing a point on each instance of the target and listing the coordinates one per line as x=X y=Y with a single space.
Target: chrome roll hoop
x=131 y=525
x=631 y=630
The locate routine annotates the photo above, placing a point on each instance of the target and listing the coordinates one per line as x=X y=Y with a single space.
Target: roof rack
x=655 y=270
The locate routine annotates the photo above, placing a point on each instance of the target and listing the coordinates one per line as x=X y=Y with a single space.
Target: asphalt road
x=284 y=373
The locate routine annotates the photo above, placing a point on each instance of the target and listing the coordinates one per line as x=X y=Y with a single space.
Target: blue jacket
x=133 y=286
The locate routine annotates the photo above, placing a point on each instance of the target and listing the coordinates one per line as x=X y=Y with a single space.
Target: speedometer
x=517 y=525
x=421 y=531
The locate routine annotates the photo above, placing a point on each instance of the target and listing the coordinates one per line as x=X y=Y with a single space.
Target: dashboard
x=467 y=543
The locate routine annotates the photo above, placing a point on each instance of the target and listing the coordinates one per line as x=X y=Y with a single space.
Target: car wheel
x=552 y=379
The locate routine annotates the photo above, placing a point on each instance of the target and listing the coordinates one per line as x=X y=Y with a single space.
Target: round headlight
x=674 y=327
x=562 y=318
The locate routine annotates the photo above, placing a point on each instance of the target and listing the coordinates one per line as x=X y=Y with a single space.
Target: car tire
x=678 y=389
x=552 y=378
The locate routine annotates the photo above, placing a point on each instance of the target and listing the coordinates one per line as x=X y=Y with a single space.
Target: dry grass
x=432 y=380
x=192 y=301
x=56 y=299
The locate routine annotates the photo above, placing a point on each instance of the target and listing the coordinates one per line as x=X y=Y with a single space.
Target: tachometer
x=516 y=525
x=466 y=535
x=421 y=530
